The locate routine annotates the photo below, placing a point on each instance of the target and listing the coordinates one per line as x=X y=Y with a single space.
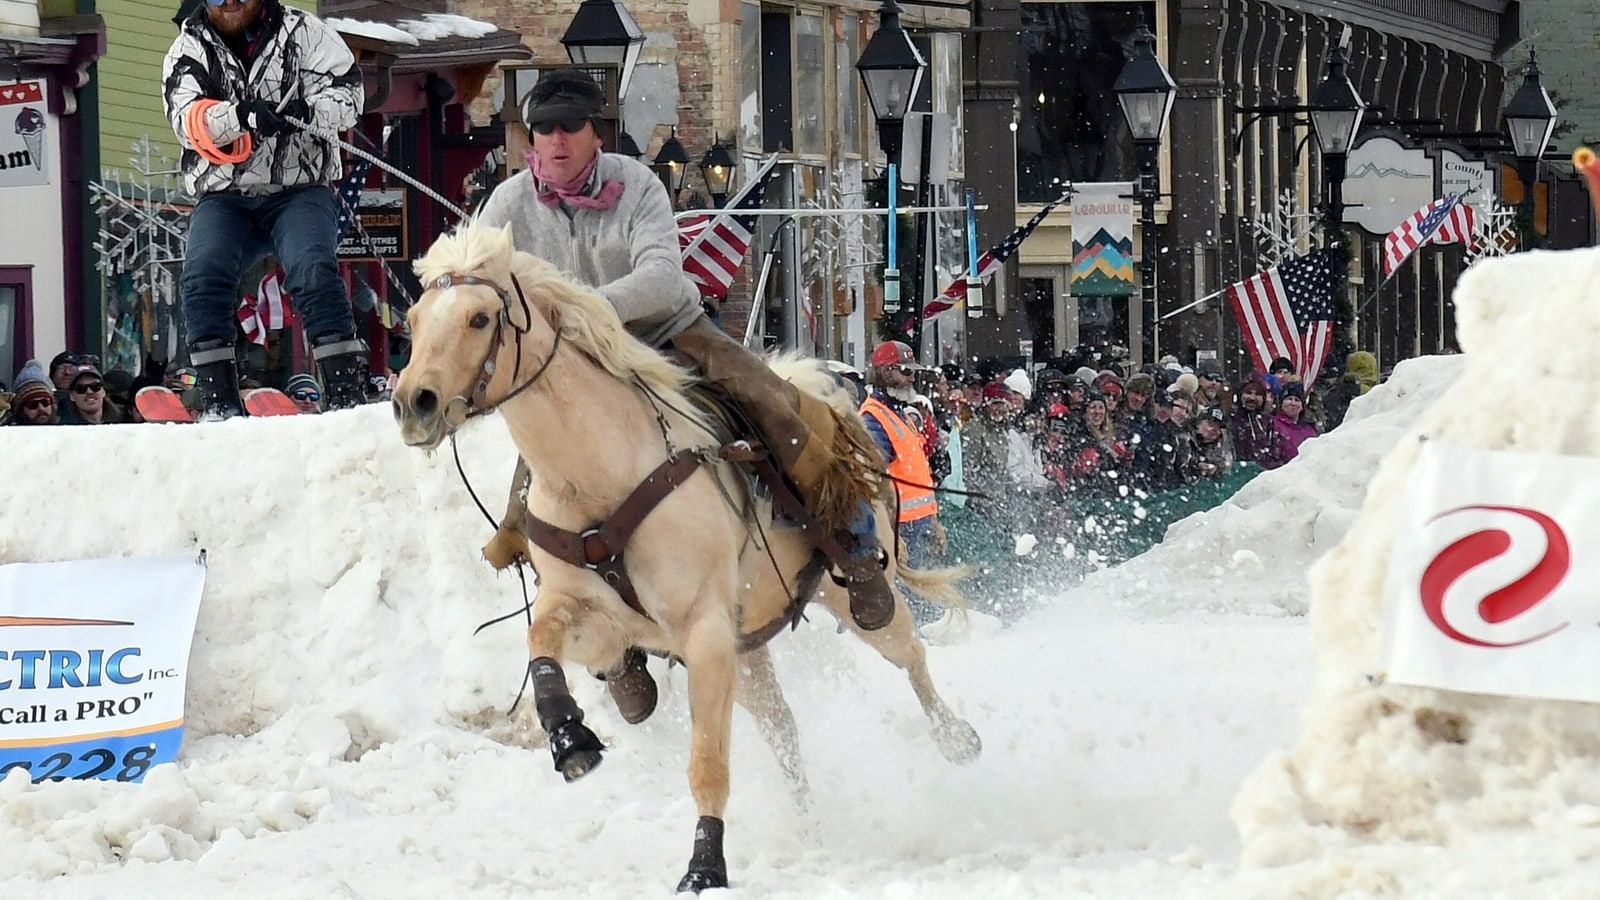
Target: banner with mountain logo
x=1102 y=240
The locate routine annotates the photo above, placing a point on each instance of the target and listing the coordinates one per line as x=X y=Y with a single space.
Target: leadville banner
x=1491 y=587
x=1102 y=239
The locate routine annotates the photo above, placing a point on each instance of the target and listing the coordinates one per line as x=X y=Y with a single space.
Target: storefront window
x=809 y=86
x=1070 y=126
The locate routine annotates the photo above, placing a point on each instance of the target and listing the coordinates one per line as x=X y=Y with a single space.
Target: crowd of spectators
x=74 y=391
x=1080 y=456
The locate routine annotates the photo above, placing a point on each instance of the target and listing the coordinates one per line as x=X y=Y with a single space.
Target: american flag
x=1288 y=311
x=1447 y=221
x=714 y=248
x=989 y=262
x=350 y=194
x=265 y=310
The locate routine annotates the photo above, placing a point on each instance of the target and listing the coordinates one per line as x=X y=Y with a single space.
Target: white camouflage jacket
x=300 y=57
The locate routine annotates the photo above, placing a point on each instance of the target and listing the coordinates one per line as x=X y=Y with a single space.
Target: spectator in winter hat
x=1213 y=447
x=1291 y=426
x=1283 y=370
x=34 y=403
x=1213 y=391
x=306 y=393
x=89 y=405
x=1251 y=427
x=62 y=368
x=1018 y=382
x=1361 y=367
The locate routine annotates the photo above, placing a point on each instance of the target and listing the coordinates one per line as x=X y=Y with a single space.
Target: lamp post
x=1336 y=111
x=627 y=146
x=603 y=31
x=1530 y=120
x=1146 y=92
x=716 y=167
x=891 y=70
x=672 y=165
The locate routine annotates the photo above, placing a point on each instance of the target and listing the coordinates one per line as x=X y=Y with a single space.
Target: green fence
x=1070 y=536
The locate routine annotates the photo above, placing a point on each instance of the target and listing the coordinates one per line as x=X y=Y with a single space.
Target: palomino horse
x=594 y=413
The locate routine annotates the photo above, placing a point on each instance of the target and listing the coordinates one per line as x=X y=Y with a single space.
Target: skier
x=238 y=77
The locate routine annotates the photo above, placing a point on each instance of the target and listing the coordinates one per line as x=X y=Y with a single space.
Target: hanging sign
x=1102 y=240
x=24 y=135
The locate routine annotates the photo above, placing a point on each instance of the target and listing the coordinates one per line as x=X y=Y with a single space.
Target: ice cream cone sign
x=30 y=127
x=25 y=126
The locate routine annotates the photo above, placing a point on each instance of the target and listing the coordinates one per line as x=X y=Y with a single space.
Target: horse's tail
x=938 y=585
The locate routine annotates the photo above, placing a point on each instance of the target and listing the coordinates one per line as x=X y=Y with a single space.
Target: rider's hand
x=264 y=120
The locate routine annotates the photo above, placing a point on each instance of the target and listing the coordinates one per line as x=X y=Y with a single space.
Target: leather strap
x=599 y=549
x=805 y=589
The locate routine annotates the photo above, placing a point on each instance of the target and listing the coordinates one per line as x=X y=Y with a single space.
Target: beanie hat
x=1018 y=381
x=63 y=358
x=1141 y=383
x=1184 y=384
x=302 y=382
x=1087 y=374
x=32 y=371
x=1292 y=389
x=996 y=392
x=33 y=387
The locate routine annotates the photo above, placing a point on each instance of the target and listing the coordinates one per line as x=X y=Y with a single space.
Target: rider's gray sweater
x=629 y=253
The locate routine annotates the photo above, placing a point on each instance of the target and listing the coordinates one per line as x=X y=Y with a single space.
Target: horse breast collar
x=599 y=549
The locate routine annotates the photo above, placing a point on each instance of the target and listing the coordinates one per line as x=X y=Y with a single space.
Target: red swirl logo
x=1485 y=586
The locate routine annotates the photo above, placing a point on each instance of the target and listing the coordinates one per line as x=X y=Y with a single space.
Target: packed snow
x=437 y=26
x=378 y=31
x=347 y=733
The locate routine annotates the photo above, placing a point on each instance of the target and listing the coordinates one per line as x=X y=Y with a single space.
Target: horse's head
x=459 y=327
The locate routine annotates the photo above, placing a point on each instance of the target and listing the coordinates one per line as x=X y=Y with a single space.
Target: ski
x=269 y=402
x=157 y=404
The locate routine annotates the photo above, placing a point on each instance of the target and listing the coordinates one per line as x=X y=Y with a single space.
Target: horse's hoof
x=959 y=742
x=698 y=880
x=576 y=750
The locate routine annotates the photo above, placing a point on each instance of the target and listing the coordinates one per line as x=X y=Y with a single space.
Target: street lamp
x=891 y=70
x=716 y=167
x=1336 y=111
x=1530 y=120
x=603 y=32
x=1146 y=92
x=672 y=165
x=627 y=146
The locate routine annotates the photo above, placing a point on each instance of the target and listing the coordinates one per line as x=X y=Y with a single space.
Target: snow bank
x=1251 y=554
x=1411 y=791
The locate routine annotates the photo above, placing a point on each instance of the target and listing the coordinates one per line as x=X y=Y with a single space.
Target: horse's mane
x=586 y=319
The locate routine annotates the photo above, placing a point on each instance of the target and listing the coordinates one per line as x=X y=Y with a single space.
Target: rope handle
x=194 y=124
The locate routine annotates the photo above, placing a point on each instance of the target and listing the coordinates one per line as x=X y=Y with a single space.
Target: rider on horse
x=232 y=81
x=605 y=219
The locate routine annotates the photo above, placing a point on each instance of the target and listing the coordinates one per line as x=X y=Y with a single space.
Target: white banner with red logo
x=1485 y=593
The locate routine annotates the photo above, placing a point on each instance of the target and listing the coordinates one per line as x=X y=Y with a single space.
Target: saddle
x=600 y=548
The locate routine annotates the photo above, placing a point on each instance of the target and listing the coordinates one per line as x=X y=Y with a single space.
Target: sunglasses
x=41 y=403
x=306 y=396
x=88 y=387
x=570 y=126
x=221 y=2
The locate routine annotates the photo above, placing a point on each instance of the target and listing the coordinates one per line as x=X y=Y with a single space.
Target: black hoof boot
x=707 y=867
x=573 y=746
x=576 y=750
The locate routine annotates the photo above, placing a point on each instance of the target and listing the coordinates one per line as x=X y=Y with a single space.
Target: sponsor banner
x=1102 y=240
x=1484 y=592
x=382 y=214
x=24 y=135
x=94 y=659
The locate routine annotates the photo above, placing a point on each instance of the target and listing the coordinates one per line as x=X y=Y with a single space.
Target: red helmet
x=893 y=353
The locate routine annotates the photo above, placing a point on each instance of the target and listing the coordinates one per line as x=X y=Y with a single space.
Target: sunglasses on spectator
x=41 y=403
x=570 y=126
x=87 y=387
x=306 y=396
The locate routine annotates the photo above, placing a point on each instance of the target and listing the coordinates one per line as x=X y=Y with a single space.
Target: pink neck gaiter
x=552 y=194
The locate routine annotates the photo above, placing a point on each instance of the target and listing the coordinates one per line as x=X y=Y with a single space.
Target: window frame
x=20 y=277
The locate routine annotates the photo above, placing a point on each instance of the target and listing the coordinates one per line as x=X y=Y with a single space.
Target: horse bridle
x=474 y=405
